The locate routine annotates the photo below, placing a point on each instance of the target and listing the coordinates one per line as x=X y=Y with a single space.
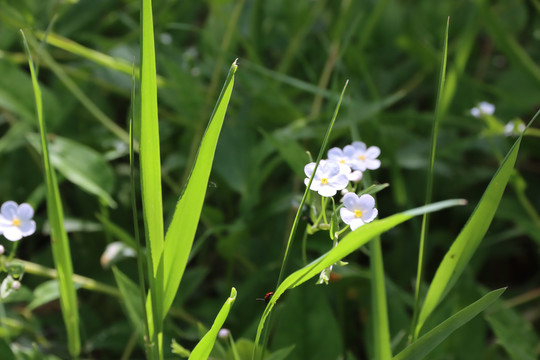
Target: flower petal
x=25 y=212
x=12 y=233
x=330 y=168
x=346 y=215
x=28 y=227
x=349 y=200
x=372 y=164
x=366 y=202
x=358 y=145
x=372 y=152
x=327 y=191
x=373 y=214
x=355 y=176
x=308 y=169
x=335 y=154
x=9 y=210
x=339 y=182
x=356 y=223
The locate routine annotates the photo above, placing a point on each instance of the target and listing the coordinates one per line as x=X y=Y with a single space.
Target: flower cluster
x=342 y=166
x=483 y=108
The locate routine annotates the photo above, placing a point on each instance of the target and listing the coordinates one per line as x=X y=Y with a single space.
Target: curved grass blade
x=59 y=240
x=463 y=248
x=424 y=345
x=181 y=231
x=204 y=347
x=346 y=246
x=429 y=188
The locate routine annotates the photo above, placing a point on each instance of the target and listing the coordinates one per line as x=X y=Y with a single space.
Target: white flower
x=345 y=157
x=224 y=333
x=16 y=220
x=514 y=127
x=483 y=108
x=329 y=178
x=364 y=157
x=358 y=210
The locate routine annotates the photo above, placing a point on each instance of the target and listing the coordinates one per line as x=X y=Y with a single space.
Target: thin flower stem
x=86 y=283
x=13 y=251
x=324 y=200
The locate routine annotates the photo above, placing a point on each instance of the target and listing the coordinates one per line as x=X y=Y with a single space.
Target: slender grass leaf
x=204 y=347
x=425 y=344
x=77 y=92
x=346 y=246
x=181 y=232
x=131 y=299
x=150 y=165
x=429 y=188
x=59 y=240
x=463 y=248
x=381 y=330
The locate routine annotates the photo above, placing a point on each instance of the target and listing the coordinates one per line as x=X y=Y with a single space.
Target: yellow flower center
x=324 y=181
x=342 y=161
x=358 y=213
x=16 y=222
x=362 y=157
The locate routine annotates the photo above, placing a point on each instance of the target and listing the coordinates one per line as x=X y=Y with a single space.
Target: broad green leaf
x=44 y=293
x=131 y=299
x=81 y=165
x=425 y=344
x=346 y=246
x=181 y=232
x=204 y=347
x=59 y=240
x=463 y=248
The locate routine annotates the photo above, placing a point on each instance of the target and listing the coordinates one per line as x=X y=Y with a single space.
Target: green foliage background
x=294 y=57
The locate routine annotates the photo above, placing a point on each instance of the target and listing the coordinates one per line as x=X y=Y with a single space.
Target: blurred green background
x=294 y=58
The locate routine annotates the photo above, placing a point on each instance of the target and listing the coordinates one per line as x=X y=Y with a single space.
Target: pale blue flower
x=358 y=210
x=16 y=220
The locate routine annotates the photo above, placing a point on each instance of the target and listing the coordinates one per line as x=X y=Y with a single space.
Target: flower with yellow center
x=328 y=179
x=358 y=210
x=365 y=158
x=16 y=220
x=345 y=158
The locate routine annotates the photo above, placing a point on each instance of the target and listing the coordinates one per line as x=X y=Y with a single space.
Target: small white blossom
x=364 y=157
x=483 y=108
x=358 y=210
x=16 y=220
x=224 y=333
x=514 y=127
x=345 y=158
x=329 y=178
x=2 y=249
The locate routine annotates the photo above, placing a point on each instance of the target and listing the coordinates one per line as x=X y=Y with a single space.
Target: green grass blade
x=381 y=330
x=106 y=121
x=59 y=239
x=131 y=300
x=429 y=187
x=150 y=165
x=204 y=347
x=346 y=246
x=181 y=231
x=425 y=344
x=467 y=242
